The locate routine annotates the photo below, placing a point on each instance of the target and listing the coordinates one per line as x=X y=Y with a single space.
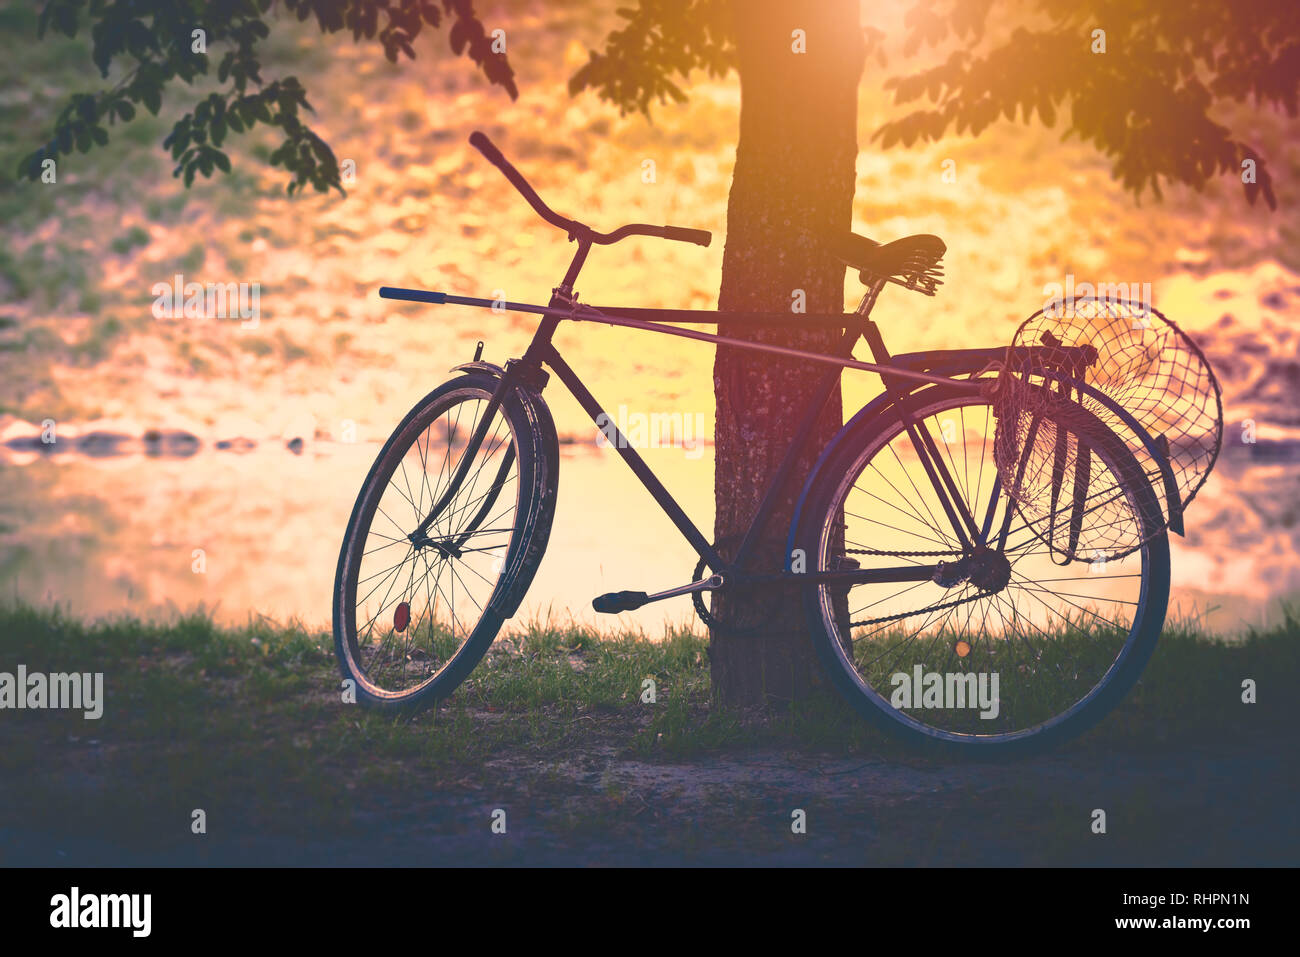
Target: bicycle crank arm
x=618 y=601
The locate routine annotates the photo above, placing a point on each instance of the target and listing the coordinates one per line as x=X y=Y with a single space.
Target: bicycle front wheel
x=438 y=551
x=1003 y=644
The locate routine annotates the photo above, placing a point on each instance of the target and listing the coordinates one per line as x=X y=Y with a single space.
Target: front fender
x=478 y=365
x=507 y=602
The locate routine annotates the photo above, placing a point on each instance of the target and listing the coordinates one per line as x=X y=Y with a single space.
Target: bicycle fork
x=516 y=373
x=451 y=546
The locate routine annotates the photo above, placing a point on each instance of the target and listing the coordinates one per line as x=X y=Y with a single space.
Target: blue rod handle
x=413 y=295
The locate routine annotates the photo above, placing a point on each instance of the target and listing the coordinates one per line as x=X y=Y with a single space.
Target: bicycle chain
x=920 y=611
x=713 y=622
x=899 y=554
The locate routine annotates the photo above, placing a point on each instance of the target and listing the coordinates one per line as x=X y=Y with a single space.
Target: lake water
x=112 y=533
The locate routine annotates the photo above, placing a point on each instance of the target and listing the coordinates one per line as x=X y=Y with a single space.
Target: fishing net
x=1121 y=364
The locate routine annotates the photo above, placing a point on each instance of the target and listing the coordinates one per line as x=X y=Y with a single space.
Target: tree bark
x=793 y=185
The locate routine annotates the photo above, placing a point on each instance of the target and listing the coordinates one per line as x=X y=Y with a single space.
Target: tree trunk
x=793 y=184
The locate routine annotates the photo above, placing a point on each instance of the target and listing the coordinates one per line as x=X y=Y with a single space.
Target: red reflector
x=402 y=617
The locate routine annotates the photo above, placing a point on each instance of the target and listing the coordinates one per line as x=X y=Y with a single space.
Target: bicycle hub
x=984 y=568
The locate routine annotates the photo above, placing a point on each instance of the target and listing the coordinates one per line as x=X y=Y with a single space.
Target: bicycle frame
x=527 y=372
x=900 y=379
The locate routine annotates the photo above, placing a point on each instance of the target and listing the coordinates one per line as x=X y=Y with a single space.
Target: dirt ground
x=1224 y=805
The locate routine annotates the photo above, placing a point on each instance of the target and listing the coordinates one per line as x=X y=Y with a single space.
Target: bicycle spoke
x=1051 y=635
x=412 y=618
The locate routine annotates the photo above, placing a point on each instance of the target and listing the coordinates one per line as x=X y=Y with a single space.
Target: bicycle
x=928 y=567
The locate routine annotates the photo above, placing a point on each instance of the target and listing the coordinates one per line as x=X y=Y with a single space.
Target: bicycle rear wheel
x=1002 y=650
x=421 y=591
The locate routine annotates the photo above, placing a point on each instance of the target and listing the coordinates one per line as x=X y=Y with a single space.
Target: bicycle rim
x=966 y=661
x=416 y=614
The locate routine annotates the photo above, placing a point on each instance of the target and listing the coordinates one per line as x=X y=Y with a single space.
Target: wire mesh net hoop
x=1044 y=405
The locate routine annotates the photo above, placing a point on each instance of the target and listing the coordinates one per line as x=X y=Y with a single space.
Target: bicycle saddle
x=912 y=262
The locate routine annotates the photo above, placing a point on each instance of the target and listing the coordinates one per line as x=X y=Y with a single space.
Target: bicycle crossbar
x=583 y=313
x=713 y=317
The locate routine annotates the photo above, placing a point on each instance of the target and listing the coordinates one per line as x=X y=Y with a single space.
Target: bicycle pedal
x=614 y=602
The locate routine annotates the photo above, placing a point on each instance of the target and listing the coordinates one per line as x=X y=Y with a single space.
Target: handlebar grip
x=412 y=295
x=701 y=237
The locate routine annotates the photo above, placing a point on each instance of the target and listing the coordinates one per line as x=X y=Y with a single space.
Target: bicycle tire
x=535 y=449
x=828 y=494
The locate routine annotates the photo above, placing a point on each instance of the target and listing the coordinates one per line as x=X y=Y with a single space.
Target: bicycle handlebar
x=486 y=147
x=575 y=229
x=701 y=237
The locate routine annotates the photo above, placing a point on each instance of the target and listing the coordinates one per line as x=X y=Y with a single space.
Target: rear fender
x=1173 y=497
x=884 y=404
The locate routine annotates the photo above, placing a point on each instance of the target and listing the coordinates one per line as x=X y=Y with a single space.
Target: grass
x=249 y=721
x=547 y=679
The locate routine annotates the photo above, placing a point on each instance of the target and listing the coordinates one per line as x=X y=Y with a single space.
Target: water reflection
x=258 y=532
